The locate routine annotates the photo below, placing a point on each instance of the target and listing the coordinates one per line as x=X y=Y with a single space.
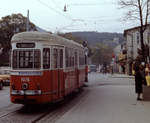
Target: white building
x=132 y=37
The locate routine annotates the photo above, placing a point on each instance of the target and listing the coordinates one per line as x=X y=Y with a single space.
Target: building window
x=138 y=38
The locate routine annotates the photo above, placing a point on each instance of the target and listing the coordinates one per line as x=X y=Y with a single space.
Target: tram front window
x=26 y=59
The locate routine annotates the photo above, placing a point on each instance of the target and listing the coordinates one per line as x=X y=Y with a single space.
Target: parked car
x=4 y=77
x=1 y=84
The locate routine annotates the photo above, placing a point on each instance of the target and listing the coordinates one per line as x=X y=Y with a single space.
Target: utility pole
x=65 y=8
x=132 y=56
x=148 y=59
x=27 y=23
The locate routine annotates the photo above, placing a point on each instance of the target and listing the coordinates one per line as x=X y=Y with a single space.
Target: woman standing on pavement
x=138 y=82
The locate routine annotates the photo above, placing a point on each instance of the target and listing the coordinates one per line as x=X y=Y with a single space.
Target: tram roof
x=43 y=36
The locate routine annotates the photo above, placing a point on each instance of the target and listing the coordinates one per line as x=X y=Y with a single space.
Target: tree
x=138 y=10
x=101 y=54
x=9 y=25
x=71 y=37
x=76 y=39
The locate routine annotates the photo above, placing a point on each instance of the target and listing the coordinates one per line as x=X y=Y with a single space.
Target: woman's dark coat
x=138 y=82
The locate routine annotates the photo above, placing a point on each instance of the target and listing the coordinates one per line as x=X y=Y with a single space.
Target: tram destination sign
x=25 y=45
x=25 y=73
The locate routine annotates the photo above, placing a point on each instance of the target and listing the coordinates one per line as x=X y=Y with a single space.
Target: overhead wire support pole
x=27 y=24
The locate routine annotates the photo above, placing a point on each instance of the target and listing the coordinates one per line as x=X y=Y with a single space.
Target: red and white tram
x=45 y=67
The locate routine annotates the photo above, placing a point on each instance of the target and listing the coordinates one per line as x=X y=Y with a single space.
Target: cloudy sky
x=81 y=15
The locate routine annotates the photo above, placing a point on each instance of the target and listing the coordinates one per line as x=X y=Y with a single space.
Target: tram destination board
x=25 y=45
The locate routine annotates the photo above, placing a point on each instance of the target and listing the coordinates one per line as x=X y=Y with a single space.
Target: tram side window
x=67 y=57
x=76 y=62
x=37 y=57
x=46 y=58
x=55 y=56
x=72 y=59
x=81 y=59
x=61 y=58
x=14 y=59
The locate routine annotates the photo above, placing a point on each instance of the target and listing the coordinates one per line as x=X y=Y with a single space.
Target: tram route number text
x=25 y=79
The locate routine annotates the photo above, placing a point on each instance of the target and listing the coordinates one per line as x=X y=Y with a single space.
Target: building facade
x=133 y=44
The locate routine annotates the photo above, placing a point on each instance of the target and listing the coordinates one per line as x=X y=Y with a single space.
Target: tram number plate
x=25 y=79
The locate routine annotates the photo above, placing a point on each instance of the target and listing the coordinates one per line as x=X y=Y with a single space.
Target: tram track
x=47 y=113
x=61 y=108
x=10 y=109
x=7 y=114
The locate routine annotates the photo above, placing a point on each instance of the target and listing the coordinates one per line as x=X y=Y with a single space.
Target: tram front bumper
x=26 y=96
x=26 y=92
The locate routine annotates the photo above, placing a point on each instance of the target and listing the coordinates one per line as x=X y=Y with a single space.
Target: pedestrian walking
x=138 y=82
x=143 y=74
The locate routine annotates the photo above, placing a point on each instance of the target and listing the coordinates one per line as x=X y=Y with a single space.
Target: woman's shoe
x=139 y=99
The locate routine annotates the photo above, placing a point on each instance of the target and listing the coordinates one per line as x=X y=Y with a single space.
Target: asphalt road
x=4 y=97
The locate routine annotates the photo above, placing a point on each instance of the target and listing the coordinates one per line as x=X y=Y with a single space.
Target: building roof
x=132 y=29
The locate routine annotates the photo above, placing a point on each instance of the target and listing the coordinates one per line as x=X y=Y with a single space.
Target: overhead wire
x=84 y=4
x=68 y=17
x=90 y=4
x=54 y=2
x=84 y=21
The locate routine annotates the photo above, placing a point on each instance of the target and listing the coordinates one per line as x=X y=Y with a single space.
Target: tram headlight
x=25 y=86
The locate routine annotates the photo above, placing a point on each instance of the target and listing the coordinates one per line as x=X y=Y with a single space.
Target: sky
x=81 y=15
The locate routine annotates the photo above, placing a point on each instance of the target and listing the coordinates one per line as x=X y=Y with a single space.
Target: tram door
x=57 y=83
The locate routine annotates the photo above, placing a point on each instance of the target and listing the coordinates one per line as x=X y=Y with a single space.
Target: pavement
x=122 y=76
x=108 y=99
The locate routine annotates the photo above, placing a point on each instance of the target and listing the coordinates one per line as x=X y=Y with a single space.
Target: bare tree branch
x=137 y=10
x=147 y=14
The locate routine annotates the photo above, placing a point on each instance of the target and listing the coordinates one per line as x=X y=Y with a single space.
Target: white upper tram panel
x=43 y=37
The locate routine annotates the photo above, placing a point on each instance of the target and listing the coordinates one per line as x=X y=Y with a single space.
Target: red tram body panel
x=45 y=67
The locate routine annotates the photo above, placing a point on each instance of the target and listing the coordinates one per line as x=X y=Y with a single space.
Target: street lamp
x=65 y=8
x=86 y=51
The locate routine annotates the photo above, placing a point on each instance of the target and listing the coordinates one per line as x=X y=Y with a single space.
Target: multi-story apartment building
x=132 y=37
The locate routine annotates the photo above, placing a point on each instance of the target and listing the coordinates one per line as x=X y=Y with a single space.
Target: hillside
x=111 y=39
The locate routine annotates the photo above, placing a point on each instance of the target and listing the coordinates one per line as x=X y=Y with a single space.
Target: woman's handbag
x=148 y=80
x=133 y=72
